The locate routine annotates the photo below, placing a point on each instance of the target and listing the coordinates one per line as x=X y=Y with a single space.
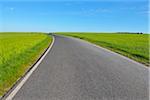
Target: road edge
x=95 y=45
x=17 y=86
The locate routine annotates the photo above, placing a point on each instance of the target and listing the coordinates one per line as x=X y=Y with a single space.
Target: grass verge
x=134 y=46
x=18 y=51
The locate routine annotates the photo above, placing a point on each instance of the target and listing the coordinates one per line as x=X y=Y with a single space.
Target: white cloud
x=129 y=8
x=89 y=12
x=12 y=9
x=145 y=12
x=100 y=10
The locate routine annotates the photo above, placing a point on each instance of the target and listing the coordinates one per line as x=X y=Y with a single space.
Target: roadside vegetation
x=134 y=46
x=18 y=51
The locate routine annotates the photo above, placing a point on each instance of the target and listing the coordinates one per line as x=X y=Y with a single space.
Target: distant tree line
x=50 y=33
x=130 y=32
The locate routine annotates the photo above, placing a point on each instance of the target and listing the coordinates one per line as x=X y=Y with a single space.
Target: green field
x=18 y=51
x=134 y=46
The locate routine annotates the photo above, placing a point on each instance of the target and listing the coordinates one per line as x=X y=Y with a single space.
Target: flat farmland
x=134 y=46
x=18 y=51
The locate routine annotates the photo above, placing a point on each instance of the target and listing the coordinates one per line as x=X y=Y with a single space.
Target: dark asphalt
x=77 y=70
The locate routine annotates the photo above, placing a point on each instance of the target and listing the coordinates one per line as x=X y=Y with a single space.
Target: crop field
x=18 y=51
x=134 y=46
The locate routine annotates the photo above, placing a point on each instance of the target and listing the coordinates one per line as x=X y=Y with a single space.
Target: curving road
x=77 y=70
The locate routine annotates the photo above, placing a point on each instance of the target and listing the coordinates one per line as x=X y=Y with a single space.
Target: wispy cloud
x=129 y=8
x=12 y=9
x=100 y=10
x=95 y=11
x=145 y=12
x=9 y=8
x=81 y=12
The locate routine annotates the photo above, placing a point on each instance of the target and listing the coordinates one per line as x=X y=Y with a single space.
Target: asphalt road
x=77 y=70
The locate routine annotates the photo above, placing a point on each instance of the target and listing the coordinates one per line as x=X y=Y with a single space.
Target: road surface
x=77 y=70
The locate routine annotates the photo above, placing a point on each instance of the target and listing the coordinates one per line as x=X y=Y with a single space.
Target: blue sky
x=74 y=16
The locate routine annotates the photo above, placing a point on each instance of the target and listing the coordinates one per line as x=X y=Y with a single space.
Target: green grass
x=134 y=46
x=18 y=51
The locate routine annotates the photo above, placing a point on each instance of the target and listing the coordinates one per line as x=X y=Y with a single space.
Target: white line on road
x=18 y=87
x=126 y=58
